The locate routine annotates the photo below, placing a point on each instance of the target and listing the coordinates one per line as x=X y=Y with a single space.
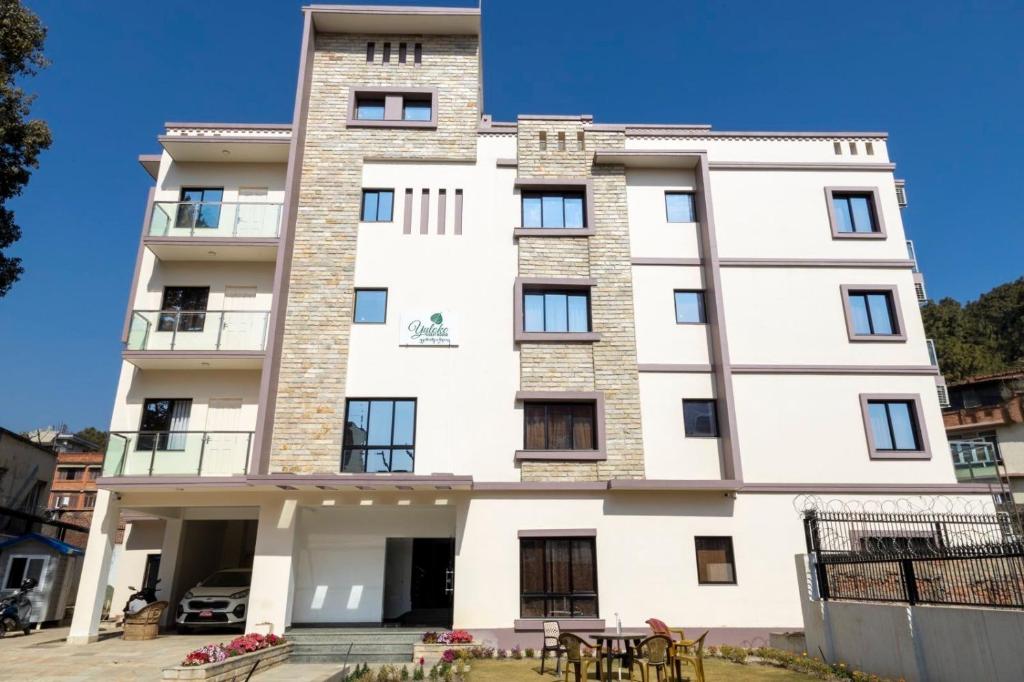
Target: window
x=690 y=307
x=73 y=474
x=63 y=501
x=182 y=304
x=199 y=207
x=378 y=205
x=401 y=53
x=370 y=109
x=369 y=53
x=558 y=577
x=894 y=425
x=88 y=500
x=553 y=209
x=164 y=424
x=387 y=53
x=715 y=562
x=379 y=436
x=416 y=110
x=556 y=311
x=700 y=419
x=679 y=207
x=855 y=212
x=560 y=426
x=19 y=568
x=417 y=53
x=152 y=571
x=371 y=306
x=872 y=313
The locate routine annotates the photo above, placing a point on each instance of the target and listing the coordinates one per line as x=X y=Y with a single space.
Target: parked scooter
x=141 y=598
x=16 y=610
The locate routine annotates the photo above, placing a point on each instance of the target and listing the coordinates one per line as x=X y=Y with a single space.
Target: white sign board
x=427 y=328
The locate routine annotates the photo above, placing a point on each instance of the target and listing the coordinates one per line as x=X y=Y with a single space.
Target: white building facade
x=420 y=367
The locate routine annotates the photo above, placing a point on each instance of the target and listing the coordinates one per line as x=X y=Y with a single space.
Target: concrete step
x=342 y=647
x=371 y=639
x=352 y=660
x=369 y=645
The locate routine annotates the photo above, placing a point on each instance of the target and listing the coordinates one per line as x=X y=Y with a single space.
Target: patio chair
x=550 y=644
x=692 y=655
x=144 y=623
x=574 y=647
x=652 y=653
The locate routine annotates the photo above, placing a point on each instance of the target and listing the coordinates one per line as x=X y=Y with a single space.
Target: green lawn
x=714 y=670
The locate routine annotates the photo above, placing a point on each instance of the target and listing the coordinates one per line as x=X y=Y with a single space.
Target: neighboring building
x=54 y=564
x=26 y=470
x=58 y=440
x=418 y=366
x=73 y=493
x=985 y=427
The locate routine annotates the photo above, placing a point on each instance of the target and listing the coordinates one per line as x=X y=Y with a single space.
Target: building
x=59 y=440
x=73 y=492
x=415 y=365
x=26 y=470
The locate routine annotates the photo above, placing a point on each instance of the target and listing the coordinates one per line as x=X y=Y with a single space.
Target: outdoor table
x=608 y=639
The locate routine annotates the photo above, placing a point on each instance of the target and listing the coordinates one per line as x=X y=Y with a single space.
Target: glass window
x=416 y=110
x=556 y=311
x=371 y=306
x=181 y=304
x=88 y=500
x=872 y=313
x=23 y=567
x=558 y=578
x=560 y=426
x=370 y=109
x=894 y=425
x=199 y=207
x=855 y=213
x=690 y=307
x=377 y=205
x=379 y=436
x=715 y=562
x=679 y=207
x=553 y=209
x=164 y=424
x=700 y=419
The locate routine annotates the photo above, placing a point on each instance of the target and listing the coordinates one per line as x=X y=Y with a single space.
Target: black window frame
x=347 y=446
x=355 y=305
x=148 y=437
x=845 y=196
x=418 y=100
x=544 y=292
x=730 y=555
x=915 y=425
x=702 y=305
x=547 y=404
x=547 y=594
x=890 y=305
x=714 y=415
x=193 y=213
x=367 y=100
x=176 y=318
x=693 y=206
x=377 y=191
x=561 y=194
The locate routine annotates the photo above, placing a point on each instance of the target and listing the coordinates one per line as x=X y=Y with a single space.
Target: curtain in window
x=179 y=423
x=583 y=427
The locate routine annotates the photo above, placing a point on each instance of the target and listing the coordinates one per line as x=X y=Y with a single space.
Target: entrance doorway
x=419 y=581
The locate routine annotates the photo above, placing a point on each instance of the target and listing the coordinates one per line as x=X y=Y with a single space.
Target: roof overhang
x=395 y=19
x=648 y=158
x=226 y=149
x=151 y=163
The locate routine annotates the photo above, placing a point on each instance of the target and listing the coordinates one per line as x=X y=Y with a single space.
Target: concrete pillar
x=270 y=595
x=92 y=585
x=170 y=549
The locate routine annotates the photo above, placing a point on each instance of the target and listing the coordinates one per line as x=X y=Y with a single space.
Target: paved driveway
x=44 y=655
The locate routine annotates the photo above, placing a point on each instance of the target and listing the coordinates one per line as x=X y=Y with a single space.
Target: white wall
x=659 y=338
x=650 y=234
x=668 y=453
x=230 y=176
x=766 y=148
x=141 y=538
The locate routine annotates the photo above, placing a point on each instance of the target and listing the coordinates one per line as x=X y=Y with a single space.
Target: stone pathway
x=43 y=656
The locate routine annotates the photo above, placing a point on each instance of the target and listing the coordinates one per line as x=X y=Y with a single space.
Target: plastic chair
x=551 y=634
x=692 y=655
x=652 y=652
x=574 y=646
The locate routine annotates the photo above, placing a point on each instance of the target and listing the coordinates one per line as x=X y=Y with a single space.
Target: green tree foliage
x=981 y=337
x=91 y=433
x=21 y=139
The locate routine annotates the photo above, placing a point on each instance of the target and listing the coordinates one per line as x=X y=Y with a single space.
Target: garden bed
x=232 y=662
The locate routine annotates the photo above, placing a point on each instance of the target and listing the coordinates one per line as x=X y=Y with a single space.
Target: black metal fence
x=956 y=559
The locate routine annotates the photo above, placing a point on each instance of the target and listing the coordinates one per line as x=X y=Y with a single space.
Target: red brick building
x=73 y=492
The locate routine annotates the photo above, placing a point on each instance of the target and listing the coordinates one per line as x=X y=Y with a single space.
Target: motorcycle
x=141 y=598
x=16 y=609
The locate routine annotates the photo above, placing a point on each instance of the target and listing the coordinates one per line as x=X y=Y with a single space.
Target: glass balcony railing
x=912 y=254
x=198 y=330
x=933 y=357
x=214 y=219
x=974 y=460
x=182 y=453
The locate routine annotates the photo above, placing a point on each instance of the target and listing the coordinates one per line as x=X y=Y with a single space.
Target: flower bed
x=231 y=661
x=436 y=644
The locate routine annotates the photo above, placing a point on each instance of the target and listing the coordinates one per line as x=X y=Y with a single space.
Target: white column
x=272 y=580
x=92 y=585
x=170 y=548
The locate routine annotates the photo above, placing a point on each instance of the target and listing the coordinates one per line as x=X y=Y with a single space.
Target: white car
x=220 y=600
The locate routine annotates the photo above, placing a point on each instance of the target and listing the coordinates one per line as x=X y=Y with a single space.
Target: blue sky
x=944 y=79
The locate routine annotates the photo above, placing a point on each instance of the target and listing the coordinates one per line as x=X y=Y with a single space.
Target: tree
x=91 y=433
x=21 y=139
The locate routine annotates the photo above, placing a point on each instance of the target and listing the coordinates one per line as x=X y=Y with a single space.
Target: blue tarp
x=62 y=547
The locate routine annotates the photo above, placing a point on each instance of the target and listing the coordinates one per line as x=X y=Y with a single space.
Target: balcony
x=177 y=453
x=200 y=230
x=974 y=461
x=202 y=339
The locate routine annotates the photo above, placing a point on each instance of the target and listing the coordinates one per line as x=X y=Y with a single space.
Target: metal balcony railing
x=198 y=330
x=182 y=453
x=214 y=219
x=974 y=460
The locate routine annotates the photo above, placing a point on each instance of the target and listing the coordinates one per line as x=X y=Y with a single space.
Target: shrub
x=417 y=672
x=530 y=652
x=501 y=653
x=448 y=656
x=516 y=652
x=430 y=638
x=243 y=644
x=733 y=653
x=454 y=637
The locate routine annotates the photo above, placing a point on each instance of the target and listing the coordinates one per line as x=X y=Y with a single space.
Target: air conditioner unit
x=922 y=296
x=943 y=395
x=901 y=193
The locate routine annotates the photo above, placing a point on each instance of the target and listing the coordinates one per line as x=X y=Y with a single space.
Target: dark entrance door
x=433 y=576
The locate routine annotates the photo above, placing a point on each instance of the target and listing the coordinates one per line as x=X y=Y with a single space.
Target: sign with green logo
x=430 y=328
